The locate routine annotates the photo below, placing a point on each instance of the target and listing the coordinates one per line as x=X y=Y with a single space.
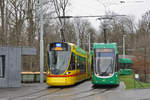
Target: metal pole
x=78 y=39
x=145 y=64
x=41 y=42
x=105 y=35
x=134 y=81
x=89 y=43
x=123 y=46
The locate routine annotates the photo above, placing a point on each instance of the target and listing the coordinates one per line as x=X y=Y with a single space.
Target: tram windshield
x=58 y=60
x=104 y=63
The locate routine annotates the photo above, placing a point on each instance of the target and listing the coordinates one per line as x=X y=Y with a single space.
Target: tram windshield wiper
x=106 y=72
x=104 y=66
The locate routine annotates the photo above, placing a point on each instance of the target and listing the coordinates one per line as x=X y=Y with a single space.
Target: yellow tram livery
x=67 y=64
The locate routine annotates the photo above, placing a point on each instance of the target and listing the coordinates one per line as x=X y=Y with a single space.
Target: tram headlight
x=67 y=73
x=48 y=73
x=97 y=74
x=110 y=74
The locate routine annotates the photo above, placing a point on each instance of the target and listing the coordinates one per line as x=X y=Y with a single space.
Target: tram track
x=71 y=95
x=50 y=93
x=30 y=96
x=33 y=95
x=78 y=94
x=13 y=98
x=93 y=91
x=91 y=94
x=74 y=93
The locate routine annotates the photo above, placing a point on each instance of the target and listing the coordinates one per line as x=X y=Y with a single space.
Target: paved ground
x=82 y=91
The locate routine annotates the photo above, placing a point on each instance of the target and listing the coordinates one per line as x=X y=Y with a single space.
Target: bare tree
x=70 y=35
x=116 y=28
x=60 y=9
x=17 y=15
x=82 y=29
x=143 y=32
x=2 y=32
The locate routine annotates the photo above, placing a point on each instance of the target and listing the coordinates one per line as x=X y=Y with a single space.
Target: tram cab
x=105 y=64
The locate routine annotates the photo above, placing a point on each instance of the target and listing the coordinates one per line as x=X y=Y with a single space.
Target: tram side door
x=88 y=66
x=76 y=68
x=78 y=71
x=72 y=67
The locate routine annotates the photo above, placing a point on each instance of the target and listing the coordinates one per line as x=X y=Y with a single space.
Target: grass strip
x=129 y=82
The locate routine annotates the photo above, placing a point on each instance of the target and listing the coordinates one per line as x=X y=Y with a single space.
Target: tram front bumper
x=106 y=81
x=58 y=81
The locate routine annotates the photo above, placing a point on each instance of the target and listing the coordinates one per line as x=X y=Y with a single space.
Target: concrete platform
x=24 y=90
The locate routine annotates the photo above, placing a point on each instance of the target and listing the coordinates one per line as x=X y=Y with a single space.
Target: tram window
x=2 y=66
x=72 y=62
x=122 y=65
x=78 y=62
x=128 y=66
x=78 y=65
x=117 y=65
x=81 y=64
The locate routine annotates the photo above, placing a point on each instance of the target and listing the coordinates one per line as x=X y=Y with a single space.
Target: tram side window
x=117 y=65
x=81 y=64
x=122 y=66
x=78 y=62
x=128 y=66
x=72 y=62
x=2 y=66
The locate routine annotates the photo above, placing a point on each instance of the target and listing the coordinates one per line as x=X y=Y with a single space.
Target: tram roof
x=106 y=45
x=125 y=60
x=78 y=49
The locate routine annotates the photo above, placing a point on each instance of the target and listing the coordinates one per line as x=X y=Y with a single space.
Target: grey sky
x=98 y=7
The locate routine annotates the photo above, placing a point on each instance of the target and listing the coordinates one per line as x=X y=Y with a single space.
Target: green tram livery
x=125 y=66
x=105 y=64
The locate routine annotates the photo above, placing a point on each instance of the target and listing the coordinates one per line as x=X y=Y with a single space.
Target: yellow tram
x=67 y=64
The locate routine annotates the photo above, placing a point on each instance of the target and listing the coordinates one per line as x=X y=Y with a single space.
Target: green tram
x=105 y=71
x=125 y=66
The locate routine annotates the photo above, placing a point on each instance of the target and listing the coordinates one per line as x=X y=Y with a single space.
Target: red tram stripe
x=65 y=75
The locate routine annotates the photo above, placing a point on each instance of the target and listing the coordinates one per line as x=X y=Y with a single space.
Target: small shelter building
x=10 y=64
